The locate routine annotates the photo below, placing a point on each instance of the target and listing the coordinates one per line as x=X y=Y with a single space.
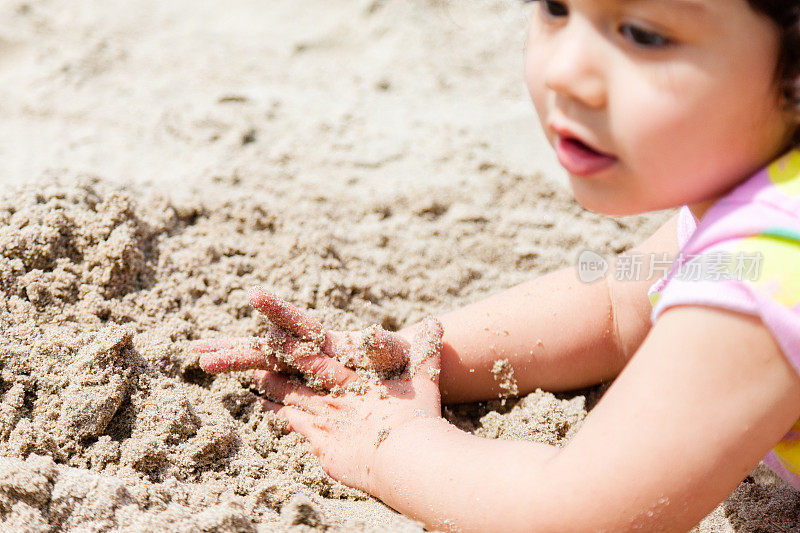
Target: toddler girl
x=649 y=104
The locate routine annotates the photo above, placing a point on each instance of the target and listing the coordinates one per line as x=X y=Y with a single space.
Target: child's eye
x=551 y=7
x=644 y=38
x=554 y=9
x=640 y=37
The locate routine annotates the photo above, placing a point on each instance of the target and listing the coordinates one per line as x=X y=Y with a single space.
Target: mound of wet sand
x=106 y=419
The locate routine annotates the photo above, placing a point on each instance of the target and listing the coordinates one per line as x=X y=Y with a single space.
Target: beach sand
x=373 y=162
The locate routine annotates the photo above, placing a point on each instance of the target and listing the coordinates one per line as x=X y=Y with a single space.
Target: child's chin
x=602 y=206
x=595 y=203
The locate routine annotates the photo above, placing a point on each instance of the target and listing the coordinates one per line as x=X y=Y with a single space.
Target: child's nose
x=575 y=68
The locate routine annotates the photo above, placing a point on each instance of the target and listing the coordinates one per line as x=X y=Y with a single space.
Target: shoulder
x=710 y=382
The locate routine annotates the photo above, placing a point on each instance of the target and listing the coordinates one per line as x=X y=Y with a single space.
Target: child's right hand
x=299 y=341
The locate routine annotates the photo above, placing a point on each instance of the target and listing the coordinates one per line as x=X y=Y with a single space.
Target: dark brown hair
x=786 y=14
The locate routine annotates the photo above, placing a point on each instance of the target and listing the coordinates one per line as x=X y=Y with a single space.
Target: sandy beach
x=372 y=161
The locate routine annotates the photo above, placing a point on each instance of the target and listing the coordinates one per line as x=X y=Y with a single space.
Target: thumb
x=425 y=357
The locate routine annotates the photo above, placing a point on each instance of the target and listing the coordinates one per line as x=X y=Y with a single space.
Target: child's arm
x=705 y=397
x=557 y=332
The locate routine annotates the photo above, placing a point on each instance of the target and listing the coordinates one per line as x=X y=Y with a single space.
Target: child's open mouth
x=580 y=159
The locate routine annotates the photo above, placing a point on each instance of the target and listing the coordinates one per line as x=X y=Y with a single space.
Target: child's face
x=687 y=118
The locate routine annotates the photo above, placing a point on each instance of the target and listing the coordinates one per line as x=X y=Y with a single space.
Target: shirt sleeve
x=757 y=275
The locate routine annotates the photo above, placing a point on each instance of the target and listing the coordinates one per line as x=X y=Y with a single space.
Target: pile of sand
x=109 y=416
x=373 y=161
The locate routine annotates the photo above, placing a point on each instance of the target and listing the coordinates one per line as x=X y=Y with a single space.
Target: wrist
x=393 y=452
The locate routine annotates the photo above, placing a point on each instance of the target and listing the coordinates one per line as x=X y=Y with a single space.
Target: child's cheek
x=534 y=80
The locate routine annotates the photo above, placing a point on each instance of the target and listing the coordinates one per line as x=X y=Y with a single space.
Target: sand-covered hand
x=297 y=341
x=346 y=429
